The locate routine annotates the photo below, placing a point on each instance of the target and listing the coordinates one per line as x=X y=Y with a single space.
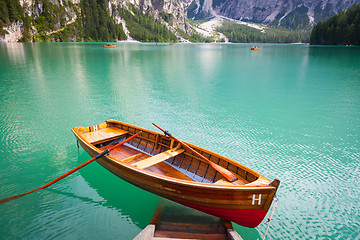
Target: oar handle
x=164 y=131
x=226 y=173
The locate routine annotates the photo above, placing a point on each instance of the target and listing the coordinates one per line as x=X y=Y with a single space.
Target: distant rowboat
x=166 y=167
x=254 y=48
x=109 y=46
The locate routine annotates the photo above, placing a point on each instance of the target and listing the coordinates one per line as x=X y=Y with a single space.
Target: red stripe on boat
x=245 y=217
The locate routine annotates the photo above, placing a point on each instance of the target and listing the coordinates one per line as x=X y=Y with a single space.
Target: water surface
x=290 y=112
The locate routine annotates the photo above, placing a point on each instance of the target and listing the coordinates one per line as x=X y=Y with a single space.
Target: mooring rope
x=271 y=214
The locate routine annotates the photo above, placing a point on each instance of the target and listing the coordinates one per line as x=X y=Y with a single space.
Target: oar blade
x=7 y=199
x=226 y=173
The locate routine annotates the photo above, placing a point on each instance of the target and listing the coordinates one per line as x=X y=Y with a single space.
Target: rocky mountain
x=152 y=20
x=175 y=8
x=294 y=14
x=93 y=20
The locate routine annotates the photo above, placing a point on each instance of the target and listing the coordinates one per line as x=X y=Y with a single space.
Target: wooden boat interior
x=157 y=153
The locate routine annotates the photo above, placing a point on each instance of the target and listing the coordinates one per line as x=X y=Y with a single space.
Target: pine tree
x=343 y=28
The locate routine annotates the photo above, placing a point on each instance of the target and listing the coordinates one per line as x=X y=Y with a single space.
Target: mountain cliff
x=153 y=20
x=93 y=20
x=294 y=14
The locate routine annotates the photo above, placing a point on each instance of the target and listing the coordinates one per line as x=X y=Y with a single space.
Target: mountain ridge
x=100 y=20
x=285 y=13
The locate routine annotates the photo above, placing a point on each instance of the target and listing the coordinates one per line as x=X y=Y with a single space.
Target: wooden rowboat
x=161 y=165
x=109 y=46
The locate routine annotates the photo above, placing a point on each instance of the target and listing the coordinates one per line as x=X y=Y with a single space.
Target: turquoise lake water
x=290 y=112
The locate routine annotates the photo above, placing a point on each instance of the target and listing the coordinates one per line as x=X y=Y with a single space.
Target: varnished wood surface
x=103 y=134
x=202 y=186
x=133 y=156
x=148 y=162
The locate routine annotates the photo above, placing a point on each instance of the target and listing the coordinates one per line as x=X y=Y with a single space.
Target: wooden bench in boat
x=128 y=159
x=103 y=135
x=169 y=171
x=160 y=168
x=225 y=182
x=157 y=158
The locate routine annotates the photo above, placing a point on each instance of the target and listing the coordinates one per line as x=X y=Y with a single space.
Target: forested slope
x=341 y=29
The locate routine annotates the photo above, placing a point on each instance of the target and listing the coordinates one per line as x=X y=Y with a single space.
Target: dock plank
x=173 y=222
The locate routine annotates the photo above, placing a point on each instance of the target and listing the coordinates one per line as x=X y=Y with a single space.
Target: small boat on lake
x=166 y=166
x=254 y=48
x=109 y=46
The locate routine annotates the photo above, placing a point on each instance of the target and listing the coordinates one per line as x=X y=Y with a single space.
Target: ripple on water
x=297 y=123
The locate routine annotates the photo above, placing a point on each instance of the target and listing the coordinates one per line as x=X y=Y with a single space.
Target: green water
x=290 y=112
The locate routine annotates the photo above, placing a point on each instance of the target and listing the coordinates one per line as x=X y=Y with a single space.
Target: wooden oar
x=226 y=173
x=3 y=200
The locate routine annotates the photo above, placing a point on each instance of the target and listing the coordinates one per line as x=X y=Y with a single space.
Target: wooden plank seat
x=103 y=135
x=157 y=158
x=128 y=159
x=225 y=182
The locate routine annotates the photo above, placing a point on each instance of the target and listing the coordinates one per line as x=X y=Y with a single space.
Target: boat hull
x=245 y=205
x=245 y=217
x=206 y=200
